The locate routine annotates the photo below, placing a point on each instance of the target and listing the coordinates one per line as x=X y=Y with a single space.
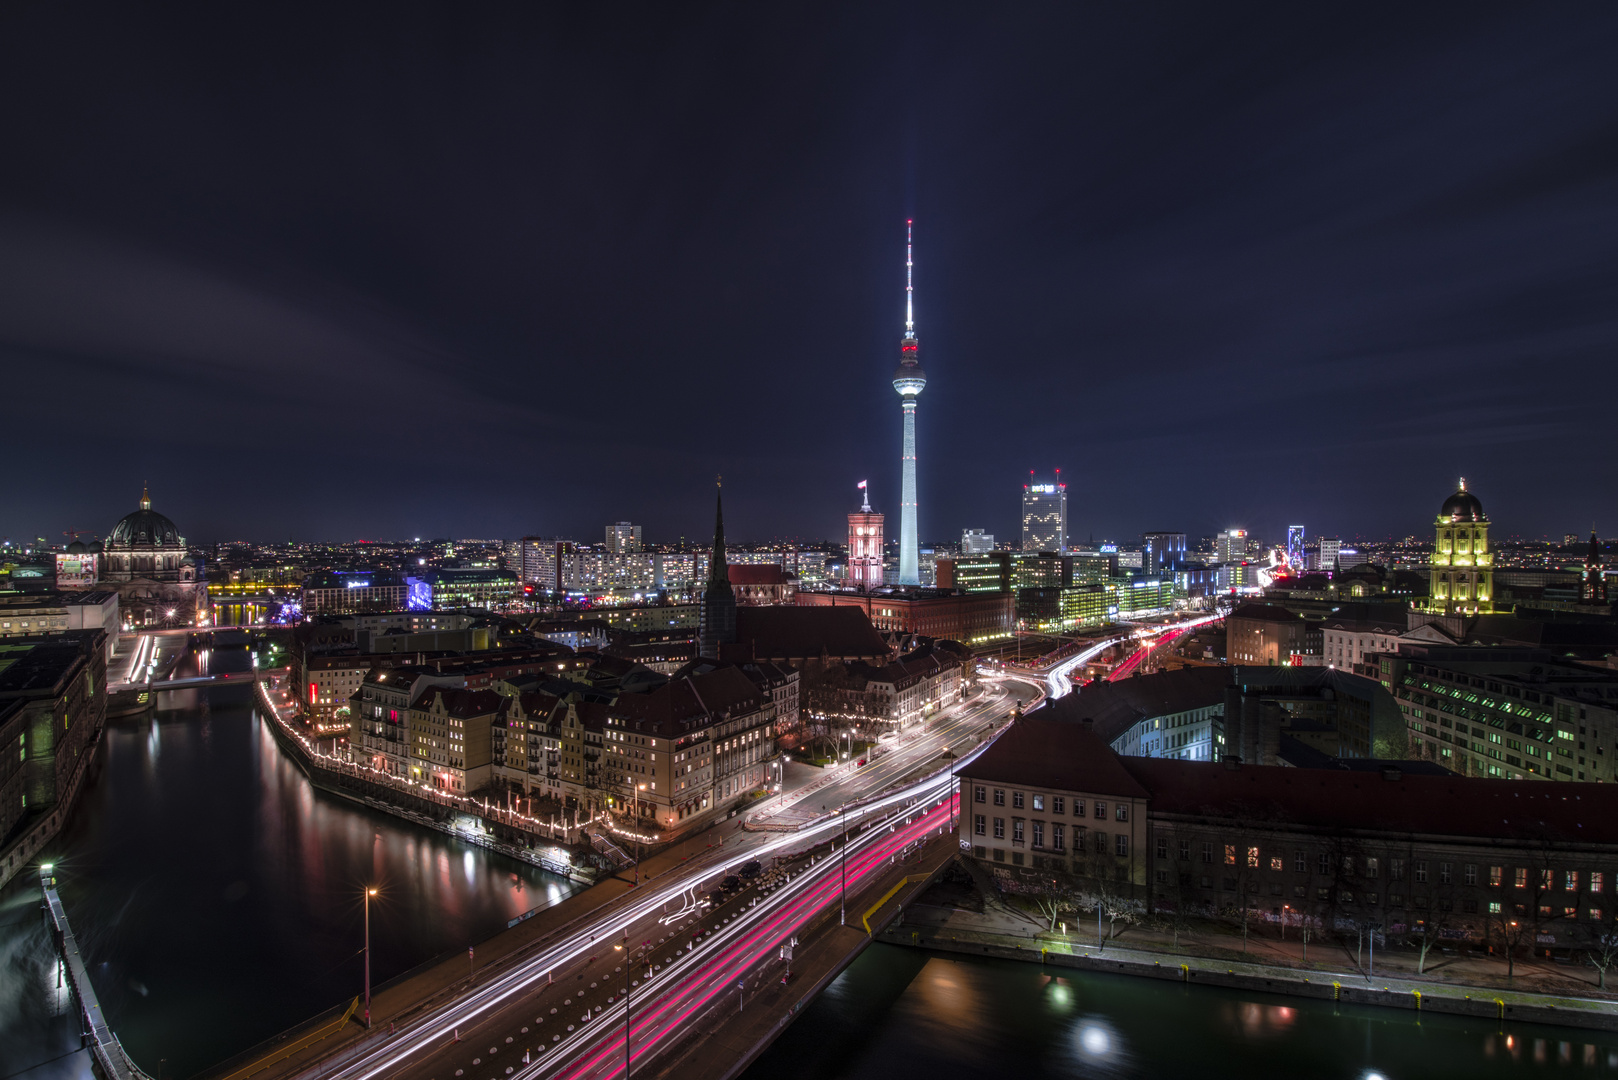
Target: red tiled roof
x=1330 y=799
x=1055 y=754
x=801 y=633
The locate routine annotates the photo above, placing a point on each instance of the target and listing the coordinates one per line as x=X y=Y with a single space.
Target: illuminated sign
x=358 y=584
x=1043 y=489
x=75 y=571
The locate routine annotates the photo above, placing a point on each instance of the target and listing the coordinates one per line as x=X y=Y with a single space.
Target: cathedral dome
x=1462 y=506
x=144 y=528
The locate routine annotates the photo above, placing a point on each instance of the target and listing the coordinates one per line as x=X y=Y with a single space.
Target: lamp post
x=842 y=812
x=628 y=967
x=635 y=791
x=369 y=892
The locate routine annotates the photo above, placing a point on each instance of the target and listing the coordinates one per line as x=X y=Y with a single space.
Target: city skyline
x=1091 y=287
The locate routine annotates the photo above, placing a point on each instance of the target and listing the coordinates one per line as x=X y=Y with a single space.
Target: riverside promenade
x=945 y=920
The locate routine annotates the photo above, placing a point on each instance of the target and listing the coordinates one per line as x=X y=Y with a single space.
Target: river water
x=907 y=1012
x=218 y=897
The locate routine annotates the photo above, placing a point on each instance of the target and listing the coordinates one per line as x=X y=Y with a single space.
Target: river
x=908 y=1012
x=218 y=896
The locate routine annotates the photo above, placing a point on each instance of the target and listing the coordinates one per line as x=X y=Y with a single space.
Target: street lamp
x=842 y=812
x=628 y=966
x=369 y=892
x=634 y=792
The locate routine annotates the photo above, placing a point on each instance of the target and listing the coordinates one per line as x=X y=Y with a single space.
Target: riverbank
x=938 y=921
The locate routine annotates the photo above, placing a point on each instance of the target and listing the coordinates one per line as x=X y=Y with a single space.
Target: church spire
x=718 y=569
x=717 y=612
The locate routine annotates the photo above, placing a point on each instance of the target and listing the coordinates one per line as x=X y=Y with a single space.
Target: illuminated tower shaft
x=909 y=380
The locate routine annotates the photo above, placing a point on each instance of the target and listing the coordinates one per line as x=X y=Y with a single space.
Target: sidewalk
x=1542 y=992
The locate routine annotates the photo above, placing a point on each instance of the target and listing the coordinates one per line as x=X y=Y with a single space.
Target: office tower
x=909 y=381
x=864 y=545
x=623 y=538
x=1330 y=547
x=1161 y=549
x=1044 y=515
x=974 y=541
x=1295 y=547
x=1230 y=546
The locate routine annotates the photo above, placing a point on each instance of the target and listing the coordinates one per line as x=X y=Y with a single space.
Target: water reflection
x=218 y=897
x=900 y=1012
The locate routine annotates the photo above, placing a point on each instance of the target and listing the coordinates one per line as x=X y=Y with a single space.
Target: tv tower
x=909 y=381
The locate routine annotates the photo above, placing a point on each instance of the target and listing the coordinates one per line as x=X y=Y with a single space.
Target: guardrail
x=104 y=1045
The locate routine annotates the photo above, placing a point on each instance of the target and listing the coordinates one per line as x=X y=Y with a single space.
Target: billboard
x=76 y=571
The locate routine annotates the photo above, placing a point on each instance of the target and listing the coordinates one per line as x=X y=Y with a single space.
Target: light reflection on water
x=218 y=896
x=906 y=1012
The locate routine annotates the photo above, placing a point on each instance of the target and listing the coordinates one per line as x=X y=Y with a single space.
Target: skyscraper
x=1044 y=515
x=1230 y=546
x=1295 y=548
x=622 y=537
x=1330 y=546
x=1160 y=550
x=909 y=380
x=864 y=545
x=717 y=616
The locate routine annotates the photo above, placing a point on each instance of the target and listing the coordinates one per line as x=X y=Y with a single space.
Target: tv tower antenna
x=910 y=290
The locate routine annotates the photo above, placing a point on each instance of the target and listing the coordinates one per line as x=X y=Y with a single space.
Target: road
x=563 y=1007
x=961 y=726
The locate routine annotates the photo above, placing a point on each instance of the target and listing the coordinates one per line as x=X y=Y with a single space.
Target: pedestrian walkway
x=1212 y=955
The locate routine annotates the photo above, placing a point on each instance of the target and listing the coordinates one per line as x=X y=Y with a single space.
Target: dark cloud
x=420 y=270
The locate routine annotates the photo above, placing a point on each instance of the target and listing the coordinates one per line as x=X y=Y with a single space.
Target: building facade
x=1461 y=580
x=1044 y=515
x=864 y=548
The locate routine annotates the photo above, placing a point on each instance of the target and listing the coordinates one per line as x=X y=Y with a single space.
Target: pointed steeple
x=718 y=568
x=145 y=498
x=717 y=612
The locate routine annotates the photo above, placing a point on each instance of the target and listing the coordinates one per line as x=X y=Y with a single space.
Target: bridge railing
x=104 y=1045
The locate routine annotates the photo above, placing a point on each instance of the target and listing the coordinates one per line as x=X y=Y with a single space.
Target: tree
x=1601 y=949
x=1505 y=929
x=1102 y=891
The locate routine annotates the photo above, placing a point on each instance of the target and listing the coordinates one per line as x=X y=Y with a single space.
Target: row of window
x=1035 y=836
x=1371 y=867
x=1057 y=803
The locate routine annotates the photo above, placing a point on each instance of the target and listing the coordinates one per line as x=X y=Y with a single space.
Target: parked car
x=731 y=883
x=752 y=869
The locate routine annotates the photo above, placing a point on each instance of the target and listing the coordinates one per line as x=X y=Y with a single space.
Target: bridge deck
x=731 y=1036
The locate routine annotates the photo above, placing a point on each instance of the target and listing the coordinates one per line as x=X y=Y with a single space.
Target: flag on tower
x=862 y=485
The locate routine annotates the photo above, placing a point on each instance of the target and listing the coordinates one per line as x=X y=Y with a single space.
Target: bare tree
x=1510 y=933
x=1601 y=942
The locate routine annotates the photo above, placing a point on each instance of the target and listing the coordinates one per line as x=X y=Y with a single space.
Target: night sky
x=483 y=271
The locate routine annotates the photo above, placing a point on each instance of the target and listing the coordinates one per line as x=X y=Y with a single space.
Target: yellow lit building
x=1463 y=566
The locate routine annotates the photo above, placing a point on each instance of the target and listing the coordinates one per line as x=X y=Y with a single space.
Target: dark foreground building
x=1515 y=863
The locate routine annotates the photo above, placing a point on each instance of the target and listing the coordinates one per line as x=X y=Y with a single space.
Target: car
x=752 y=869
x=731 y=883
x=860 y=762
